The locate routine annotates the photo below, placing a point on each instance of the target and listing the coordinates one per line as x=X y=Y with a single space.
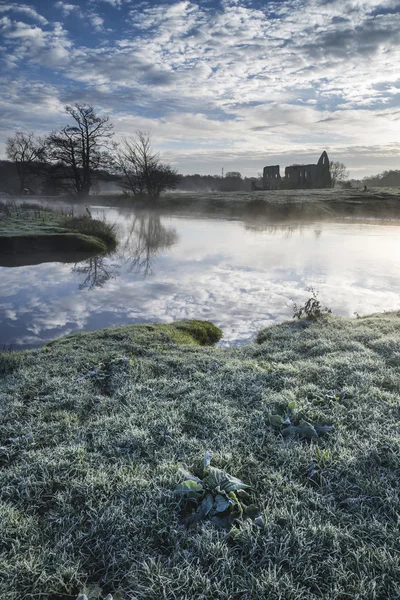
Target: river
x=240 y=275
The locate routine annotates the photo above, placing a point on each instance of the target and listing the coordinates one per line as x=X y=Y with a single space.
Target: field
x=276 y=205
x=95 y=427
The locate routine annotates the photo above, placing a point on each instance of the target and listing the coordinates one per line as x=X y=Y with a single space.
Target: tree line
x=71 y=159
x=75 y=158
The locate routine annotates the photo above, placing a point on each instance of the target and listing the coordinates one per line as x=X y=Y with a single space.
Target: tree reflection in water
x=97 y=270
x=146 y=238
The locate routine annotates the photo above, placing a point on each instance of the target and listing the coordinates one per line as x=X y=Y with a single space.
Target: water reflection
x=287 y=230
x=168 y=268
x=97 y=271
x=147 y=237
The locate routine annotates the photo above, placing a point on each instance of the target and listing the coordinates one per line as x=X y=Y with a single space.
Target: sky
x=233 y=84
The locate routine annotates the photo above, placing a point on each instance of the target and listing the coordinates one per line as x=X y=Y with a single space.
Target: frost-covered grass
x=28 y=227
x=95 y=426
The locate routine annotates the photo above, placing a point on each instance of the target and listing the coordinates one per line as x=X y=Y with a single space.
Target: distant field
x=375 y=203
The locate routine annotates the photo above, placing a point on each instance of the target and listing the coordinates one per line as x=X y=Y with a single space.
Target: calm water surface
x=241 y=276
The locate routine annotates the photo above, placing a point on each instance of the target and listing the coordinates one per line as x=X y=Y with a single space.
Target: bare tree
x=143 y=172
x=25 y=149
x=339 y=172
x=81 y=149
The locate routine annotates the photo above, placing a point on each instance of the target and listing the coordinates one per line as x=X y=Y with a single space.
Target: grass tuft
x=98 y=228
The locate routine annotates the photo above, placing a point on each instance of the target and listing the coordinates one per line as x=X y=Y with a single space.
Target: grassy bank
x=277 y=205
x=31 y=229
x=94 y=428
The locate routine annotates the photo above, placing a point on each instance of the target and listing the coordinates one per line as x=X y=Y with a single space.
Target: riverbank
x=28 y=229
x=380 y=203
x=95 y=426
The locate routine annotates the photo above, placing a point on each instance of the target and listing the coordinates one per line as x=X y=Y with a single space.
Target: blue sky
x=231 y=83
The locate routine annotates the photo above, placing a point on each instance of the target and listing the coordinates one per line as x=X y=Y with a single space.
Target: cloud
x=268 y=77
x=97 y=22
x=67 y=8
x=24 y=9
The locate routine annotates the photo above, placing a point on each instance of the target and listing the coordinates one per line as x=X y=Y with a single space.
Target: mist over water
x=241 y=275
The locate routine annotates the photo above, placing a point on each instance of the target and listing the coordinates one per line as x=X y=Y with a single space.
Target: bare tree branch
x=82 y=148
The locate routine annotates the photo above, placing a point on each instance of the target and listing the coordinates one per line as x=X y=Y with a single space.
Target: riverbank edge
x=279 y=206
x=51 y=232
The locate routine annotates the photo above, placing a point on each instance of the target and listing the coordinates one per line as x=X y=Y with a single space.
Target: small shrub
x=295 y=426
x=312 y=308
x=216 y=496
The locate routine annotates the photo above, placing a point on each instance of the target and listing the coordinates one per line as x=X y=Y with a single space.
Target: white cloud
x=67 y=8
x=25 y=9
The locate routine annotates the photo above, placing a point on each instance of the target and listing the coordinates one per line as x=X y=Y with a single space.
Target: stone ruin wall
x=299 y=176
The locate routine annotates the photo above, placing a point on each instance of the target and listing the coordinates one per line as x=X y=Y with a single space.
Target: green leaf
x=307 y=430
x=221 y=504
x=215 y=477
x=323 y=429
x=189 y=477
x=206 y=505
x=225 y=522
x=275 y=420
x=251 y=512
x=231 y=484
x=188 y=487
x=291 y=431
x=259 y=522
x=227 y=483
x=242 y=494
x=304 y=430
x=235 y=500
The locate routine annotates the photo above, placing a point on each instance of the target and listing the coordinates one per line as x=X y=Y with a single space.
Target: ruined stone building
x=299 y=177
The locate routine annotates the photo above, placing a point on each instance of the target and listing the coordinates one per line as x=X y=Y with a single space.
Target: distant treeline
x=43 y=179
x=384 y=179
x=232 y=182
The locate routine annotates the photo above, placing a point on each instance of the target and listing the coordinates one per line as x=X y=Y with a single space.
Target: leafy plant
x=217 y=496
x=312 y=308
x=292 y=426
